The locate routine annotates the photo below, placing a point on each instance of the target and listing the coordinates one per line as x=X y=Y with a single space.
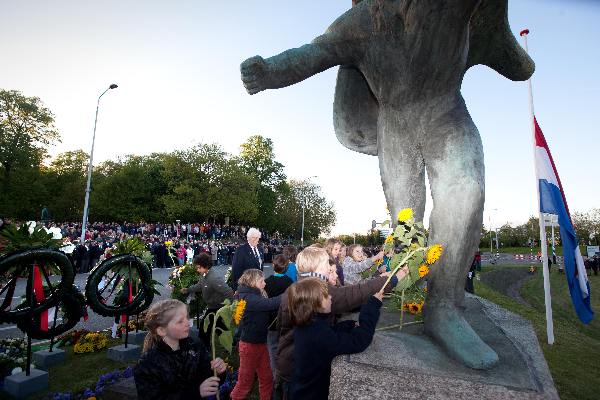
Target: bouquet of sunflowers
x=409 y=242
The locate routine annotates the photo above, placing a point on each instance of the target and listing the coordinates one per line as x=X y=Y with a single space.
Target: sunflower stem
x=401 y=309
x=212 y=343
x=400 y=264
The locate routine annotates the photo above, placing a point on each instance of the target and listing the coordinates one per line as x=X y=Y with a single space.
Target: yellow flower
x=423 y=270
x=378 y=262
x=434 y=253
x=415 y=308
x=405 y=214
x=389 y=239
x=239 y=311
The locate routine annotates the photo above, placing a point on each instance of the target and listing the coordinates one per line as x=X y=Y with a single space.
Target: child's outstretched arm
x=260 y=303
x=359 y=338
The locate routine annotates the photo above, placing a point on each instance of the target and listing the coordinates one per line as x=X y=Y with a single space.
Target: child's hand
x=402 y=272
x=218 y=365
x=379 y=295
x=209 y=387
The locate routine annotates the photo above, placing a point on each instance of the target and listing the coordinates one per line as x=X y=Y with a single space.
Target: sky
x=177 y=66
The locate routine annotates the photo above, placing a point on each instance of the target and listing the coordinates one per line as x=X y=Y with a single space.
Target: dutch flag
x=553 y=201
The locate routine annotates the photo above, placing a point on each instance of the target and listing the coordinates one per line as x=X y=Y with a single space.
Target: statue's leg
x=401 y=164
x=454 y=157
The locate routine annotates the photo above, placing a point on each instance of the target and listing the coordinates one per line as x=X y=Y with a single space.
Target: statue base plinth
x=407 y=364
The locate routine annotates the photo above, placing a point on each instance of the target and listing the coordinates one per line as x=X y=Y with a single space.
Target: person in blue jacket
x=316 y=342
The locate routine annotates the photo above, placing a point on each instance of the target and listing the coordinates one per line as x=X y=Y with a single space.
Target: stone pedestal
x=20 y=385
x=136 y=337
x=124 y=354
x=45 y=359
x=408 y=365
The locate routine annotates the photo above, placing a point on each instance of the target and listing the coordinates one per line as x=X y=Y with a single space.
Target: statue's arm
x=295 y=65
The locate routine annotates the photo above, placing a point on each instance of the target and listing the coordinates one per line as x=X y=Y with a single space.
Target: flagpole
x=543 y=244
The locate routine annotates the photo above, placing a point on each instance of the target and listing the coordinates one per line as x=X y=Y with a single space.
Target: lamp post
x=303 y=206
x=89 y=171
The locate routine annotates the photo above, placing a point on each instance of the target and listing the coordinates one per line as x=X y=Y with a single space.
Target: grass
x=574 y=358
x=79 y=372
x=527 y=250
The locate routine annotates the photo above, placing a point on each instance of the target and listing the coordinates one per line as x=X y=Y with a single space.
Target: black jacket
x=164 y=374
x=276 y=285
x=257 y=314
x=316 y=345
x=244 y=259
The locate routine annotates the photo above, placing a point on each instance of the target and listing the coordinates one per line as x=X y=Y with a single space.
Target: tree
x=26 y=131
x=319 y=214
x=587 y=226
x=129 y=189
x=205 y=182
x=257 y=158
x=65 y=181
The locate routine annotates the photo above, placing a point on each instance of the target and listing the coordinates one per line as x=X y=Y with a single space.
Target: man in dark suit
x=246 y=256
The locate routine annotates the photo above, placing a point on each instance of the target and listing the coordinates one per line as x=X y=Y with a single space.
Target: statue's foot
x=254 y=72
x=448 y=328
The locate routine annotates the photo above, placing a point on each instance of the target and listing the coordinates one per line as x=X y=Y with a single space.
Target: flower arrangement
x=12 y=356
x=71 y=338
x=409 y=243
x=90 y=343
x=29 y=236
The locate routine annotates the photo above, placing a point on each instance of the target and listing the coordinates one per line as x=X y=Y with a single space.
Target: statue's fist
x=254 y=73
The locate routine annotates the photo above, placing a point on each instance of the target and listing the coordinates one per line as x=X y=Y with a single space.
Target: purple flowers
x=104 y=380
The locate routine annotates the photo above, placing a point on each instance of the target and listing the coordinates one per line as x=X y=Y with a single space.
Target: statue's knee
x=472 y=193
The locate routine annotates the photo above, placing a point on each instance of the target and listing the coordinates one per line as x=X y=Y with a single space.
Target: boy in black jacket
x=316 y=343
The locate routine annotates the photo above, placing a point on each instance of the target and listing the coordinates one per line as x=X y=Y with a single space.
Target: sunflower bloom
x=405 y=214
x=239 y=311
x=434 y=253
x=423 y=270
x=389 y=239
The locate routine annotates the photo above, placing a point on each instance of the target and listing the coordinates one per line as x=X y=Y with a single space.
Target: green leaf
x=226 y=340
x=404 y=283
x=207 y=322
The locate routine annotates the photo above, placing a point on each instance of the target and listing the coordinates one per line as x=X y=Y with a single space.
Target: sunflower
x=434 y=253
x=423 y=270
x=389 y=239
x=415 y=308
x=406 y=307
x=379 y=262
x=239 y=311
x=405 y=214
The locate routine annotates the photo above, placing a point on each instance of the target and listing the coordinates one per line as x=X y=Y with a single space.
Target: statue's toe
x=449 y=329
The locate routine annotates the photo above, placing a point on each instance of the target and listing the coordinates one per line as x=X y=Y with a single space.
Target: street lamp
x=89 y=171
x=303 y=205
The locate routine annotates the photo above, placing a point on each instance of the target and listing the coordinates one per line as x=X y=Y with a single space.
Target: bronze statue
x=398 y=97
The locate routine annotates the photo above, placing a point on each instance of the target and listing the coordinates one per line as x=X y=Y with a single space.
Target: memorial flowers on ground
x=90 y=343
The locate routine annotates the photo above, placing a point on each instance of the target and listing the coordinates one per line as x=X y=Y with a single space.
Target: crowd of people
x=294 y=322
x=169 y=244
